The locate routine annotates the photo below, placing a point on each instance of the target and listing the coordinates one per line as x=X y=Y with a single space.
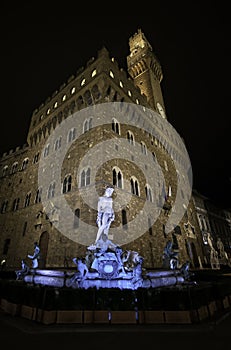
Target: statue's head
x=109 y=190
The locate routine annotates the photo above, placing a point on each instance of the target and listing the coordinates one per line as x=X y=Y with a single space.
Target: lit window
x=46 y=151
x=87 y=125
x=115 y=126
x=4 y=171
x=73 y=90
x=64 y=97
x=58 y=143
x=56 y=104
x=93 y=73
x=85 y=177
x=71 y=134
x=14 y=167
x=111 y=74
x=121 y=84
x=129 y=93
x=67 y=183
x=48 y=111
x=83 y=82
x=137 y=101
x=51 y=190
x=148 y=193
x=117 y=177
x=130 y=137
x=135 y=186
x=25 y=163
x=41 y=117
x=143 y=147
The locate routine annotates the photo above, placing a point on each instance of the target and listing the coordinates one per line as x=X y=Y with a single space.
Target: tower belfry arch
x=145 y=69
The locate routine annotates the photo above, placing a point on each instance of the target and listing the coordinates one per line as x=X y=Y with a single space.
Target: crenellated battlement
x=13 y=152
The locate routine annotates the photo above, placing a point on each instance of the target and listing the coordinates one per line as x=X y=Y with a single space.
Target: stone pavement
x=17 y=331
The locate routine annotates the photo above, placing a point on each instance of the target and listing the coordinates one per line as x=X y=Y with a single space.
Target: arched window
x=85 y=177
x=135 y=186
x=143 y=147
x=130 y=137
x=76 y=218
x=87 y=125
x=71 y=134
x=27 y=200
x=4 y=206
x=38 y=195
x=148 y=193
x=25 y=163
x=5 y=170
x=46 y=150
x=124 y=219
x=67 y=183
x=58 y=143
x=36 y=158
x=117 y=177
x=115 y=126
x=14 y=167
x=51 y=190
x=16 y=204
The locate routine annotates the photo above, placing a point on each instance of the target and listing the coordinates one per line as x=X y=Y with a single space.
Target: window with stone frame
x=67 y=183
x=16 y=204
x=115 y=126
x=148 y=193
x=38 y=195
x=130 y=137
x=135 y=188
x=27 y=200
x=117 y=177
x=51 y=190
x=85 y=177
x=71 y=135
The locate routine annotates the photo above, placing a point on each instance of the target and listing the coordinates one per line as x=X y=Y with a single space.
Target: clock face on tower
x=160 y=110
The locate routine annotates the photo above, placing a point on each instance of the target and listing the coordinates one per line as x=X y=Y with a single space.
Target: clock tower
x=145 y=70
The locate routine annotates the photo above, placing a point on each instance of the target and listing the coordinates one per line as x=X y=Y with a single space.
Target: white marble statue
x=105 y=213
x=35 y=256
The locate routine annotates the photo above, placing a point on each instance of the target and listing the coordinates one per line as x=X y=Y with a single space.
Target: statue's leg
x=100 y=230
x=35 y=263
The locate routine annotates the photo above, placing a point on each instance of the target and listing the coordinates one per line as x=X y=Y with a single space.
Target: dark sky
x=42 y=44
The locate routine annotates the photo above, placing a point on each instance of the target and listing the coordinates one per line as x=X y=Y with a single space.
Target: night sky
x=43 y=44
